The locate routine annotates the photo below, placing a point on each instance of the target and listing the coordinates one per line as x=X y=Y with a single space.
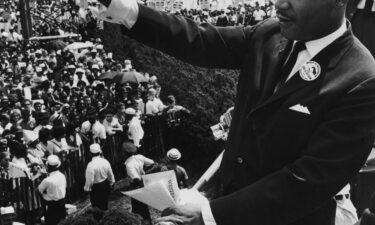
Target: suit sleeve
x=202 y=45
x=334 y=154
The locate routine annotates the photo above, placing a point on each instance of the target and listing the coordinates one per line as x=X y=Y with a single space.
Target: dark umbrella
x=108 y=75
x=129 y=77
x=56 y=45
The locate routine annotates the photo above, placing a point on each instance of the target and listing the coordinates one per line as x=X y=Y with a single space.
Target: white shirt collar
x=315 y=46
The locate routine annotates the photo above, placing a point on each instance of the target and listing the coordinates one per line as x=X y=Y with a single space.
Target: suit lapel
x=278 y=57
x=327 y=59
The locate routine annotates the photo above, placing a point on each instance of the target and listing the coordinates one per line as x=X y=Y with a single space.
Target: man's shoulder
x=361 y=57
x=264 y=30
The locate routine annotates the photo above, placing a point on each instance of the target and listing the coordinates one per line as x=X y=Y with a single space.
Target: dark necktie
x=368 y=7
x=291 y=61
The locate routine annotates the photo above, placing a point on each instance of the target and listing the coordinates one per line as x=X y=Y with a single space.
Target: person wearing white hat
x=173 y=155
x=99 y=178
x=53 y=190
x=95 y=57
x=135 y=130
x=80 y=76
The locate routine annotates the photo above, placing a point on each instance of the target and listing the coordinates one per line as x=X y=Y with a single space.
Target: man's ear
x=341 y=3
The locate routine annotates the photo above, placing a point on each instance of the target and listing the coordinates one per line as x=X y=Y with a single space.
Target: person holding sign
x=303 y=123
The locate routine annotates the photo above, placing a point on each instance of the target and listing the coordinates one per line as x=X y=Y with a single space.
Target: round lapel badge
x=310 y=71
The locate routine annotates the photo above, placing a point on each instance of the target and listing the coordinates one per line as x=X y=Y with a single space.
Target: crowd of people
x=240 y=15
x=52 y=103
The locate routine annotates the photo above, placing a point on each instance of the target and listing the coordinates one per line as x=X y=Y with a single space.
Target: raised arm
x=203 y=45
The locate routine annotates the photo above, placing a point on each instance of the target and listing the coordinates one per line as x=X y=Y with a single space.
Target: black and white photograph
x=187 y=112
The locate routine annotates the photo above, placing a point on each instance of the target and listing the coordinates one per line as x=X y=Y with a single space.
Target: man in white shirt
x=99 y=179
x=291 y=134
x=151 y=104
x=53 y=190
x=93 y=129
x=111 y=124
x=135 y=130
x=258 y=14
x=135 y=168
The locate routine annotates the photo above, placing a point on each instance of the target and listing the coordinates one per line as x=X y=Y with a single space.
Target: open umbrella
x=79 y=45
x=108 y=75
x=56 y=45
x=129 y=77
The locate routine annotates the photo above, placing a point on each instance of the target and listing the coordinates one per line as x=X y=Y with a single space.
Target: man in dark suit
x=303 y=123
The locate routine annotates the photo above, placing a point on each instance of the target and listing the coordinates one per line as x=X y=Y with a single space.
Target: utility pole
x=26 y=23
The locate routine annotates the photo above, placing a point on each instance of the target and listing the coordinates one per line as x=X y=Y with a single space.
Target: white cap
x=53 y=160
x=174 y=154
x=95 y=66
x=80 y=70
x=130 y=111
x=71 y=66
x=100 y=47
x=95 y=148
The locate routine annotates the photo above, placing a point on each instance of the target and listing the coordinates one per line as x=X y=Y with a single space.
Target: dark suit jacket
x=280 y=166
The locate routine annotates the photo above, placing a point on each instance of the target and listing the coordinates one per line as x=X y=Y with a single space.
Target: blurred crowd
x=240 y=15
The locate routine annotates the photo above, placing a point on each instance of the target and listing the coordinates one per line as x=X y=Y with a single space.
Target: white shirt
x=110 y=125
x=97 y=171
x=362 y=3
x=151 y=108
x=54 y=146
x=98 y=129
x=315 y=46
x=134 y=166
x=135 y=131
x=159 y=104
x=259 y=15
x=53 y=188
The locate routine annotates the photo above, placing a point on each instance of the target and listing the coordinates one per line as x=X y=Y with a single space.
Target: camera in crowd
x=221 y=130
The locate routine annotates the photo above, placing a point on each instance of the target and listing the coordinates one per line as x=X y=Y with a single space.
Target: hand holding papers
x=161 y=191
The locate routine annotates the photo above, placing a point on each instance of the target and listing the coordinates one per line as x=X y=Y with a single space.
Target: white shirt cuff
x=123 y=12
x=208 y=217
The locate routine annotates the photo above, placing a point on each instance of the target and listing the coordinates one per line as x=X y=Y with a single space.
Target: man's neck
x=334 y=27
